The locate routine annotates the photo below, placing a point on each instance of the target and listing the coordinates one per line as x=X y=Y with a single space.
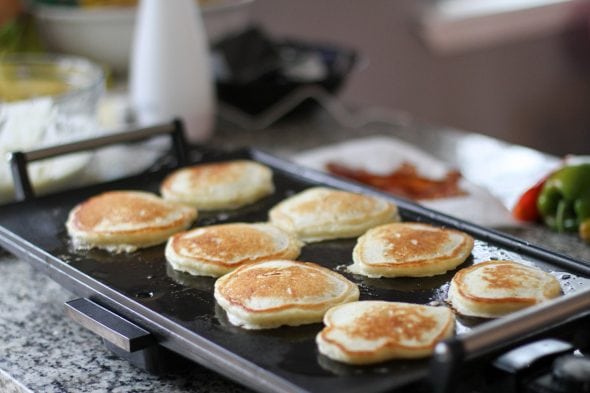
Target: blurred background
x=517 y=70
x=525 y=86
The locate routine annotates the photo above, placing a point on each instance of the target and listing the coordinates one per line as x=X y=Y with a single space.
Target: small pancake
x=496 y=288
x=373 y=331
x=218 y=249
x=219 y=185
x=409 y=250
x=123 y=221
x=321 y=213
x=269 y=294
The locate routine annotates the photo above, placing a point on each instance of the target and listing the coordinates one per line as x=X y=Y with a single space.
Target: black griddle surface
x=180 y=308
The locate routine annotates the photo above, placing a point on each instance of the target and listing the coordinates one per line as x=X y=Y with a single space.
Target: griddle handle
x=179 y=143
x=108 y=325
x=22 y=185
x=445 y=365
x=19 y=160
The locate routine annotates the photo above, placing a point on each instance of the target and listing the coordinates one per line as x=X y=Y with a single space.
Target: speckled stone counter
x=41 y=350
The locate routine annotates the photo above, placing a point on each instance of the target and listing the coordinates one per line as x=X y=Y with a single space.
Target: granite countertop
x=43 y=351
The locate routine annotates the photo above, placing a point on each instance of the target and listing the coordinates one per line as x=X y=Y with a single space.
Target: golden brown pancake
x=218 y=185
x=496 y=288
x=279 y=292
x=410 y=250
x=370 y=332
x=321 y=213
x=218 y=249
x=122 y=221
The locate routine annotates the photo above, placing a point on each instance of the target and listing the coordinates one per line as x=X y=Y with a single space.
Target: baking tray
x=180 y=311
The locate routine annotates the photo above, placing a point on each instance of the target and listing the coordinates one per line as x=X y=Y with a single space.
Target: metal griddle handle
x=19 y=160
x=502 y=334
x=108 y=325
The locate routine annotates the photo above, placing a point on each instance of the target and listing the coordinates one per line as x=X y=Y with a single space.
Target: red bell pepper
x=525 y=208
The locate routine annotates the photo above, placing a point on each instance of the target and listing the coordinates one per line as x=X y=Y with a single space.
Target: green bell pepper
x=564 y=201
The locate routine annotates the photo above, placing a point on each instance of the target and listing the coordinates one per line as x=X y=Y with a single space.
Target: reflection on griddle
x=398 y=368
x=289 y=333
x=467 y=323
x=198 y=282
x=407 y=284
x=338 y=368
x=302 y=360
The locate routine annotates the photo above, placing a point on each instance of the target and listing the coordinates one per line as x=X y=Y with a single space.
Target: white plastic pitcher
x=170 y=73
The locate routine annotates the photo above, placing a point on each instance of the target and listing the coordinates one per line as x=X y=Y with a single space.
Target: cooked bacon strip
x=404 y=181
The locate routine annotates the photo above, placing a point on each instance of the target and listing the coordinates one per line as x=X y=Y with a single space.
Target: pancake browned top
x=411 y=324
x=228 y=244
x=321 y=213
x=337 y=201
x=371 y=331
x=236 y=243
x=218 y=185
x=127 y=211
x=277 y=285
x=408 y=244
x=412 y=243
x=209 y=174
x=505 y=281
x=410 y=249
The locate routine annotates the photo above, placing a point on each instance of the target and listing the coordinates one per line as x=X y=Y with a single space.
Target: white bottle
x=170 y=73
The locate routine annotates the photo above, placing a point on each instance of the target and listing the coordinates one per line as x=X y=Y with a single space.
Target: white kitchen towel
x=382 y=154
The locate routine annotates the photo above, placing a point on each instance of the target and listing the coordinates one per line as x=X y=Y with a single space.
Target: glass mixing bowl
x=66 y=79
x=47 y=100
